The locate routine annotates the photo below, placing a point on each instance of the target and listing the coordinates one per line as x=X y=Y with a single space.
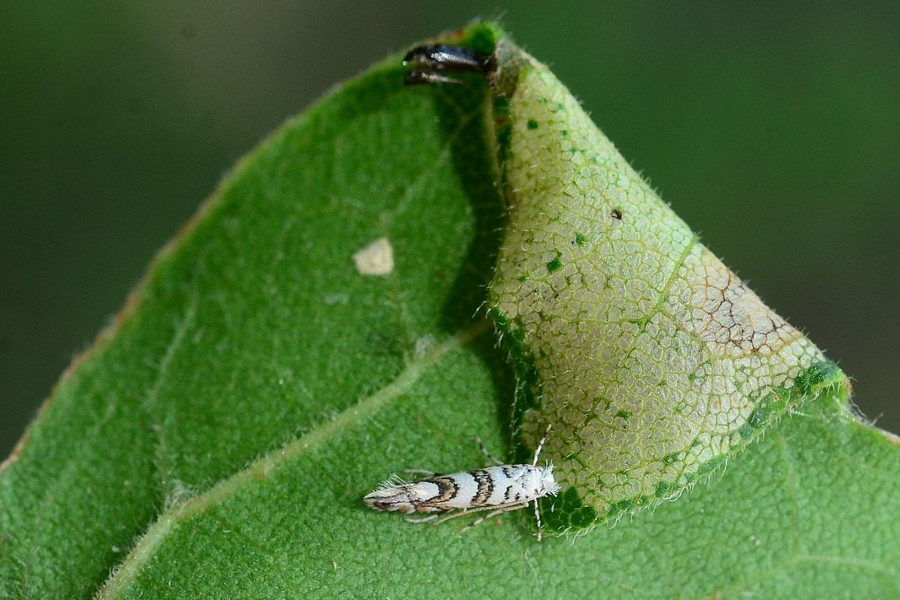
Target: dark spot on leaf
x=662 y=489
x=818 y=376
x=555 y=264
x=672 y=458
x=566 y=511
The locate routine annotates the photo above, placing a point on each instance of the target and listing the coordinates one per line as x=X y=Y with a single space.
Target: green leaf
x=217 y=440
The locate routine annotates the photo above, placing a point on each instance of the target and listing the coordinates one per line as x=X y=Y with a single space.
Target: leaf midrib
x=266 y=464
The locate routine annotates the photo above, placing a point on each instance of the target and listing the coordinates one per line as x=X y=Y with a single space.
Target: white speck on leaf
x=375 y=259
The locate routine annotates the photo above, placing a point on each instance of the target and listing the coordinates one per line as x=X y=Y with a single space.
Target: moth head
x=548 y=483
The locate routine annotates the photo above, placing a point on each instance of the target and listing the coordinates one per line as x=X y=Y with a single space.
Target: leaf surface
x=217 y=440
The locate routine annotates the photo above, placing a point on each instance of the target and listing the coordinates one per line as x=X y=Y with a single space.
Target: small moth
x=498 y=489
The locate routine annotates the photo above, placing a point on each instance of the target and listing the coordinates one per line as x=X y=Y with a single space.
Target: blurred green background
x=772 y=129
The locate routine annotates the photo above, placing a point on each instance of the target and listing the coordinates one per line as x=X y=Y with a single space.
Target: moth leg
x=422 y=472
x=487 y=453
x=493 y=513
x=537 y=516
x=420 y=519
x=461 y=512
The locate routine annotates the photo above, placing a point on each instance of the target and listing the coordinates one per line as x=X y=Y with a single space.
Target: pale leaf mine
x=650 y=355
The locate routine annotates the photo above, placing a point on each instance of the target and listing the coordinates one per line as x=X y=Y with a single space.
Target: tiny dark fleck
x=532 y=124
x=616 y=214
x=670 y=459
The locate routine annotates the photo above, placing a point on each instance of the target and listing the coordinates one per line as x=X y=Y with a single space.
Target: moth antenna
x=540 y=447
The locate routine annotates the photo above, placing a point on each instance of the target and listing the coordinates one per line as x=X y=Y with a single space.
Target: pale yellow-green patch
x=650 y=358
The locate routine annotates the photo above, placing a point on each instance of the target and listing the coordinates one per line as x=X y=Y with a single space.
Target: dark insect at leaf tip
x=431 y=60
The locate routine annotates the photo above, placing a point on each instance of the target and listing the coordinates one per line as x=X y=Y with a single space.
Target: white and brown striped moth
x=498 y=489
